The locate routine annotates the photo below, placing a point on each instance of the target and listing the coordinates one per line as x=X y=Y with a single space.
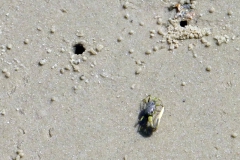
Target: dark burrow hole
x=183 y=23
x=78 y=48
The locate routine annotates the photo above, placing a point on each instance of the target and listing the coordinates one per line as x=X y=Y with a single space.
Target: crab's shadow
x=143 y=128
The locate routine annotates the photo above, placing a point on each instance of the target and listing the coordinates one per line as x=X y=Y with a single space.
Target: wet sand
x=74 y=73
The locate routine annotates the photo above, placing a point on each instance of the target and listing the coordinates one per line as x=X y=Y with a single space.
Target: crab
x=184 y=12
x=150 y=115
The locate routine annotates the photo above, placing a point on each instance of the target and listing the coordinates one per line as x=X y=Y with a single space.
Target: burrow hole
x=78 y=49
x=183 y=23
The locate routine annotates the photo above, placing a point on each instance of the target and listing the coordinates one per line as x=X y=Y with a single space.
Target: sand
x=56 y=104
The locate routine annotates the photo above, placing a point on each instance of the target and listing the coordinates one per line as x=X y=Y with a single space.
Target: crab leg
x=150 y=120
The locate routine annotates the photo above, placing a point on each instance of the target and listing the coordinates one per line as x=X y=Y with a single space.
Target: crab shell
x=150 y=108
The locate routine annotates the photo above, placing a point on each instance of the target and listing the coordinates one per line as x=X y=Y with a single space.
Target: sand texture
x=73 y=74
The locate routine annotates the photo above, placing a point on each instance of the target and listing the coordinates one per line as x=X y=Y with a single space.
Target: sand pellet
x=39 y=28
x=99 y=48
x=79 y=33
x=208 y=32
x=53 y=29
x=68 y=67
x=4 y=70
x=92 y=51
x=207 y=44
x=194 y=55
x=42 y=62
x=190 y=47
x=191 y=35
x=54 y=99
x=76 y=68
x=141 y=23
x=125 y=5
x=183 y=84
x=49 y=50
x=208 y=68
x=234 y=135
x=7 y=74
x=211 y=10
x=131 y=32
x=26 y=41
x=171 y=47
x=230 y=13
x=62 y=70
x=138 y=71
x=138 y=62
x=221 y=39
x=159 y=21
x=3 y=112
x=76 y=62
x=119 y=39
x=75 y=88
x=21 y=154
x=18 y=157
x=82 y=77
x=84 y=58
x=104 y=75
x=92 y=66
x=133 y=86
x=152 y=31
x=63 y=10
x=62 y=50
x=152 y=35
x=155 y=48
x=148 y=52
x=9 y=46
x=160 y=32
x=126 y=16
x=131 y=51
x=19 y=151
x=203 y=40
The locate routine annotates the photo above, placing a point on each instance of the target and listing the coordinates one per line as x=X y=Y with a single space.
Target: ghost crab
x=184 y=12
x=150 y=115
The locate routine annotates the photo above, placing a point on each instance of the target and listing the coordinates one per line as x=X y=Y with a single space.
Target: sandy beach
x=73 y=75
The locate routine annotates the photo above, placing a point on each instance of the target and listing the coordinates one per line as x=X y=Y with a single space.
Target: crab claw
x=178 y=6
x=158 y=119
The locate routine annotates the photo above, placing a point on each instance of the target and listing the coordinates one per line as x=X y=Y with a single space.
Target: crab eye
x=151 y=111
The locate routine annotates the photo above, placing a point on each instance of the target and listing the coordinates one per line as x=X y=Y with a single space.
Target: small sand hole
x=183 y=23
x=78 y=48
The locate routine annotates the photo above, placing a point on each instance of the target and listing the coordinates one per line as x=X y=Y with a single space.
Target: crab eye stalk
x=150 y=112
